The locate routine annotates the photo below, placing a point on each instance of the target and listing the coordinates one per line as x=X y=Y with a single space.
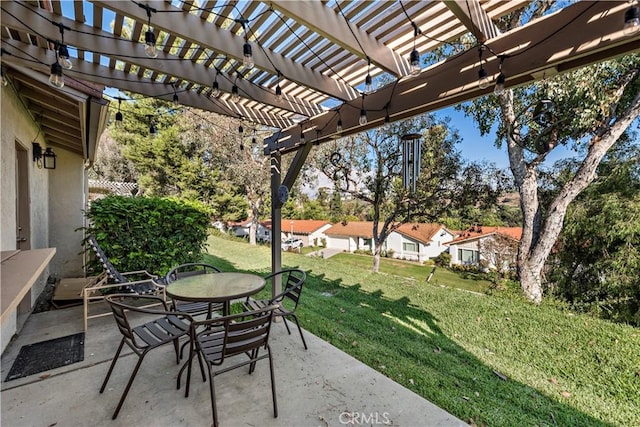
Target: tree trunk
x=376 y=257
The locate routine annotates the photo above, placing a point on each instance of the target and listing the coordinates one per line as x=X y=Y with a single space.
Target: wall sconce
x=46 y=159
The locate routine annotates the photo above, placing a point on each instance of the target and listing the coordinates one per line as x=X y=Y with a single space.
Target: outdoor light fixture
x=215 y=87
x=631 y=21
x=368 y=82
x=55 y=78
x=339 y=126
x=235 y=96
x=153 y=130
x=149 y=37
x=363 y=113
x=119 y=116
x=414 y=57
x=46 y=159
x=240 y=130
x=499 y=88
x=483 y=78
x=302 y=139
x=176 y=100
x=247 y=55
x=278 y=88
x=63 y=55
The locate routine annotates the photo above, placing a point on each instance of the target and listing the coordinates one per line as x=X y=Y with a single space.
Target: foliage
x=443 y=259
x=149 y=233
x=596 y=266
x=496 y=361
x=368 y=167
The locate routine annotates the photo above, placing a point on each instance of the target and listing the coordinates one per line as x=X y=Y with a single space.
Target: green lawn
x=485 y=359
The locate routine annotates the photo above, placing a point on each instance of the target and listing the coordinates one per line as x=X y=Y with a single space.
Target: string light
x=3 y=79
x=63 y=51
x=631 y=21
x=119 y=117
x=176 y=100
x=247 y=54
x=414 y=57
x=149 y=37
x=302 y=139
x=235 y=96
x=368 y=82
x=499 y=88
x=278 y=88
x=153 y=130
x=483 y=78
x=55 y=78
x=363 y=114
x=215 y=87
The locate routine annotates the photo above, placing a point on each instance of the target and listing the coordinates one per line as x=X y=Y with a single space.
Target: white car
x=292 y=243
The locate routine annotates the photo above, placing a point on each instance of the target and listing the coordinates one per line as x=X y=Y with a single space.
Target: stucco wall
x=67 y=187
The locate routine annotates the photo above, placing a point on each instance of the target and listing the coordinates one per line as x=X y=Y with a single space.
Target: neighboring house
x=242 y=229
x=310 y=231
x=350 y=236
x=42 y=209
x=417 y=242
x=497 y=246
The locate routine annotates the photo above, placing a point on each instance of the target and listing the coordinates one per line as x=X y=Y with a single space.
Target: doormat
x=47 y=355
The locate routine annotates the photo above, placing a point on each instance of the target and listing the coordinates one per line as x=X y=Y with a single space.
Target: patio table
x=216 y=288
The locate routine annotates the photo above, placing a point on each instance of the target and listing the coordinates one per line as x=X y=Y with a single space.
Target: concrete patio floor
x=322 y=386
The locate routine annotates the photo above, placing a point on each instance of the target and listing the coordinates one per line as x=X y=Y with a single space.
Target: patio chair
x=287 y=300
x=166 y=327
x=147 y=283
x=237 y=335
x=188 y=270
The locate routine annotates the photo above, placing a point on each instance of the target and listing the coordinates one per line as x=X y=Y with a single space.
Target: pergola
x=310 y=61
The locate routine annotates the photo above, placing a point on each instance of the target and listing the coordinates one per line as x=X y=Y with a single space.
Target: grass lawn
x=485 y=359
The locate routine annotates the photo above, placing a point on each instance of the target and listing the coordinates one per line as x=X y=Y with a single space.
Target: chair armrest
x=145 y=272
x=146 y=310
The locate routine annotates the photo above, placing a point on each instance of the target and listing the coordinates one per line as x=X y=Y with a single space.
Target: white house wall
x=341 y=243
x=435 y=247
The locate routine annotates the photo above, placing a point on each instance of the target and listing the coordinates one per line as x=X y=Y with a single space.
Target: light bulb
x=56 y=78
x=631 y=21
x=247 y=58
x=302 y=139
x=339 y=126
x=363 y=117
x=153 y=131
x=176 y=100
x=414 y=61
x=235 y=97
x=368 y=84
x=279 y=91
x=215 y=89
x=499 y=88
x=119 y=119
x=150 y=44
x=3 y=79
x=63 y=57
x=483 y=79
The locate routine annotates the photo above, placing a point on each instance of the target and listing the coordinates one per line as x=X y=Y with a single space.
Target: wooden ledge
x=19 y=271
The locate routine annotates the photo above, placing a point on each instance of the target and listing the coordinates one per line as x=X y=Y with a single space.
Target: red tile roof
x=420 y=232
x=352 y=228
x=302 y=226
x=478 y=231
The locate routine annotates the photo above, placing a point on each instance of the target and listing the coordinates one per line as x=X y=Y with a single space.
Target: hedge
x=149 y=233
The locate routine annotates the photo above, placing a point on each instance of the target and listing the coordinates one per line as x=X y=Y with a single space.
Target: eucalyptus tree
x=586 y=110
x=368 y=167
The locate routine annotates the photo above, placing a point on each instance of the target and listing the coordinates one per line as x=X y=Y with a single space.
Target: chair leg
x=212 y=391
x=176 y=346
x=126 y=390
x=273 y=384
x=300 y=330
x=284 y=320
x=113 y=363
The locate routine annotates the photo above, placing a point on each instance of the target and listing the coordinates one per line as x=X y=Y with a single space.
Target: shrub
x=443 y=260
x=149 y=233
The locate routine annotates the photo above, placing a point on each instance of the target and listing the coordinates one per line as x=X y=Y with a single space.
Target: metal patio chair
x=237 y=335
x=139 y=282
x=287 y=300
x=167 y=327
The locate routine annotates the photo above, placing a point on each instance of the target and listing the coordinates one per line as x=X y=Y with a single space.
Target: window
x=468 y=256
x=409 y=247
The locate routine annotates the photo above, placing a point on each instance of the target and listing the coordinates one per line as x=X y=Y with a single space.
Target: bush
x=149 y=233
x=443 y=260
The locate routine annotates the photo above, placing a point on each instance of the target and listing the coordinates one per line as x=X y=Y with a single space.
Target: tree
x=595 y=267
x=588 y=109
x=368 y=167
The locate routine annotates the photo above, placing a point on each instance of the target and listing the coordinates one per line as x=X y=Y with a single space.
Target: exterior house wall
x=396 y=242
x=470 y=244
x=68 y=191
x=315 y=238
x=18 y=128
x=342 y=243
